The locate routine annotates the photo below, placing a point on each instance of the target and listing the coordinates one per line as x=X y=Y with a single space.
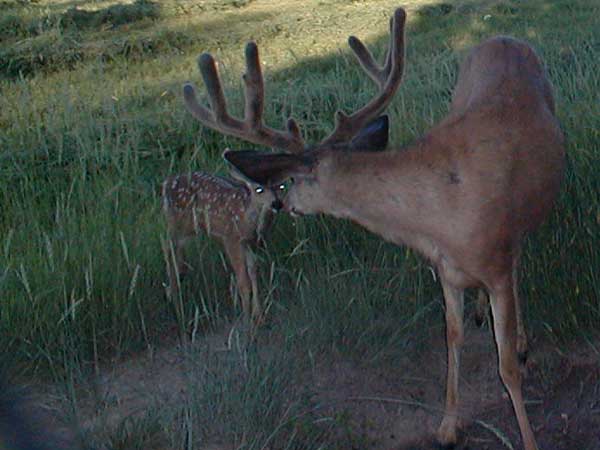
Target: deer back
x=222 y=207
x=503 y=132
x=499 y=66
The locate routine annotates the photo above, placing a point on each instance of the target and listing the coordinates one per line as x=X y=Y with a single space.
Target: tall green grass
x=90 y=130
x=85 y=151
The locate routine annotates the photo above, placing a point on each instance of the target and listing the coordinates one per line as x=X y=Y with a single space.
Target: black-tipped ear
x=373 y=137
x=268 y=168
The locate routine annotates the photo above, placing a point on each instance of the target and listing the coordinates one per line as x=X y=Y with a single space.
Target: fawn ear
x=235 y=173
x=373 y=137
x=268 y=168
x=239 y=176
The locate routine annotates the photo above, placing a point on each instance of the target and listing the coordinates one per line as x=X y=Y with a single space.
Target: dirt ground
x=393 y=410
x=401 y=411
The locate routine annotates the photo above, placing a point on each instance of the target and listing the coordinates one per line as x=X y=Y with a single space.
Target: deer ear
x=373 y=137
x=235 y=173
x=268 y=168
x=239 y=176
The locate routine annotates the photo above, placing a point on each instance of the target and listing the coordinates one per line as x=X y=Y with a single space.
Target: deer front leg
x=236 y=252
x=454 y=299
x=505 y=314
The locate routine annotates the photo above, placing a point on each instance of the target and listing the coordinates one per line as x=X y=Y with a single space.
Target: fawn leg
x=252 y=273
x=236 y=252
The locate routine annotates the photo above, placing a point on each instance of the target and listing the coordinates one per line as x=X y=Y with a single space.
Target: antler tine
x=255 y=88
x=217 y=117
x=201 y=113
x=387 y=78
x=252 y=128
x=210 y=75
x=365 y=58
x=367 y=62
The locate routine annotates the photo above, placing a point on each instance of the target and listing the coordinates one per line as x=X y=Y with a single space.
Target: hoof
x=446 y=440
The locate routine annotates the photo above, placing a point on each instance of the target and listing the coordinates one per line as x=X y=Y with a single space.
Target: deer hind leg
x=522 y=347
x=454 y=299
x=505 y=315
x=256 y=306
x=481 y=313
x=481 y=307
x=236 y=252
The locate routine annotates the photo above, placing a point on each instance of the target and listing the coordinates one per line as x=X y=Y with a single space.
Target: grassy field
x=92 y=121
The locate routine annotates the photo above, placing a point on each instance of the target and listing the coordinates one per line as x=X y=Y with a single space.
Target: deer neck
x=389 y=193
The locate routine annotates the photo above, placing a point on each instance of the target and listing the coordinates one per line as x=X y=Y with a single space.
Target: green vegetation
x=91 y=121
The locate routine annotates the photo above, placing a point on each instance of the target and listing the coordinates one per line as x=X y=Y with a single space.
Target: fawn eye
x=282 y=187
x=259 y=190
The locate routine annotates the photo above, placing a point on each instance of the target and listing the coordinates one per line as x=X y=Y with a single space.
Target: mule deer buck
x=235 y=211
x=464 y=195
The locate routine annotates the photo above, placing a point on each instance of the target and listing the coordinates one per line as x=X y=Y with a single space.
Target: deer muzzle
x=277 y=205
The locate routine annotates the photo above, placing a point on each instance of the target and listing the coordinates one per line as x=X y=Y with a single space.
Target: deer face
x=295 y=180
x=263 y=197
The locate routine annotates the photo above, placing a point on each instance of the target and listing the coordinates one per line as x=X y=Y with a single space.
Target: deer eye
x=282 y=187
x=259 y=190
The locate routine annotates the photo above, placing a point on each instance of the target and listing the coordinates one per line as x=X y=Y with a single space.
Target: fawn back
x=222 y=207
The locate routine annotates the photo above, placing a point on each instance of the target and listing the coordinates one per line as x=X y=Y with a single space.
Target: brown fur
x=231 y=211
x=464 y=195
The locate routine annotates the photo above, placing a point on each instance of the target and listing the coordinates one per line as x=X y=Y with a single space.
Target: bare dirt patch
x=376 y=407
x=401 y=409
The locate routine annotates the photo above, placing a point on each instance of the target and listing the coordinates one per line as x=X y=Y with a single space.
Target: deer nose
x=277 y=205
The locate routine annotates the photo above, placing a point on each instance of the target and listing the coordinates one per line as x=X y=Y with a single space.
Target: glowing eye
x=282 y=187
x=259 y=190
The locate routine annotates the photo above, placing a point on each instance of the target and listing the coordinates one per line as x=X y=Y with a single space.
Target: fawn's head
x=305 y=166
x=263 y=196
